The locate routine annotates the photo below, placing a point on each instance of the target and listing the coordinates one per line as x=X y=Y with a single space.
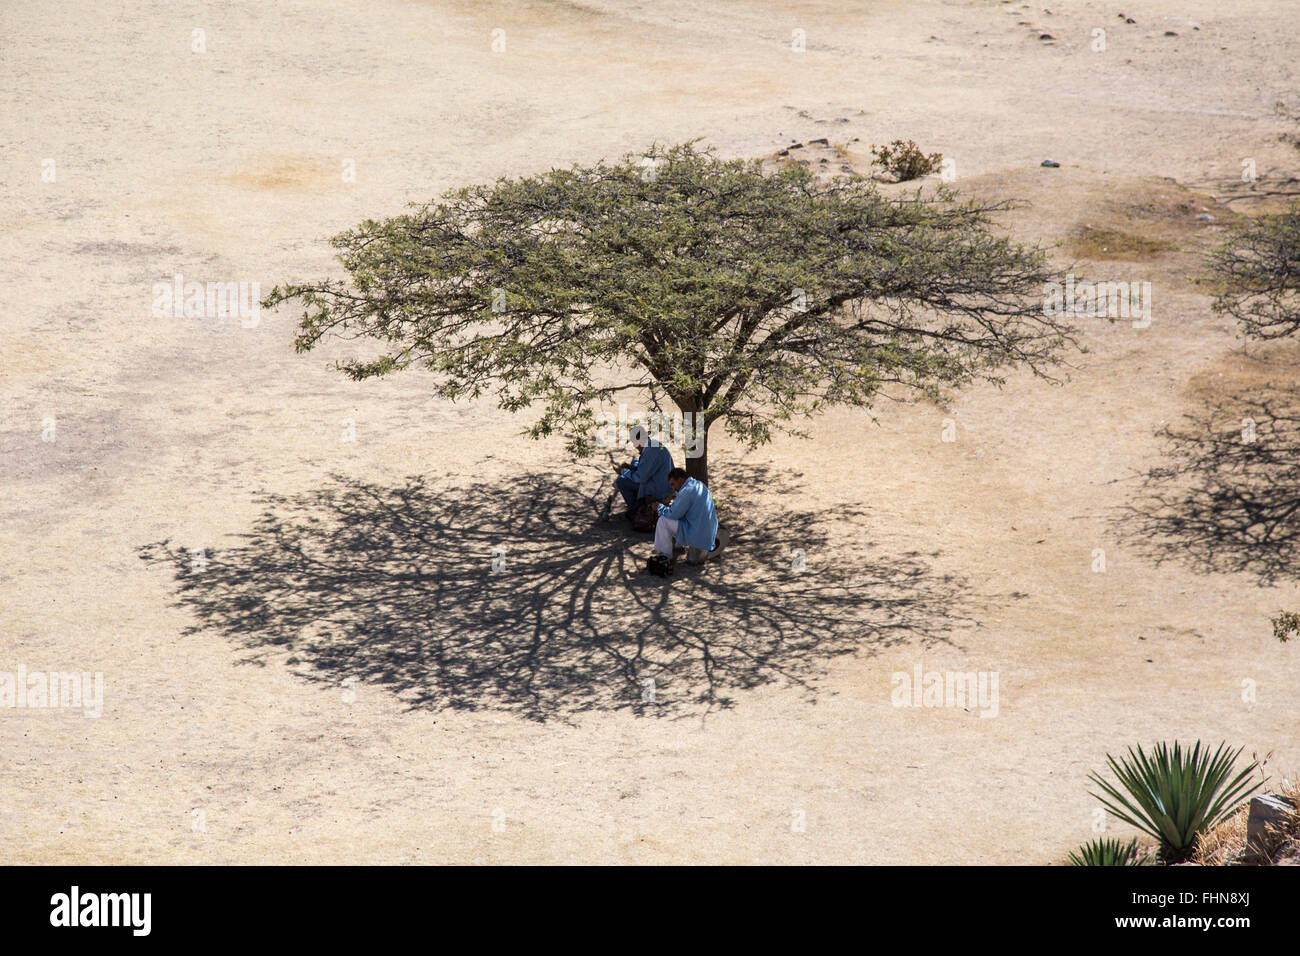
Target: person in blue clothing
x=647 y=477
x=690 y=521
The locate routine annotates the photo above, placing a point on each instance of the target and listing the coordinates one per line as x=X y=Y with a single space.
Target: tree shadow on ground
x=1227 y=496
x=517 y=597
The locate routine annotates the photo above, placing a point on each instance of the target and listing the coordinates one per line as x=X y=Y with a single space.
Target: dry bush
x=1225 y=844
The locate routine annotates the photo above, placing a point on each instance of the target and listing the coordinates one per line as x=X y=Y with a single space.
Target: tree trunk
x=697 y=467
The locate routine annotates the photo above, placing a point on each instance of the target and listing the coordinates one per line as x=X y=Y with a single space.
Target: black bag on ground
x=660 y=565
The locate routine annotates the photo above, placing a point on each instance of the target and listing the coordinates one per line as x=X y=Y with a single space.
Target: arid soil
x=285 y=578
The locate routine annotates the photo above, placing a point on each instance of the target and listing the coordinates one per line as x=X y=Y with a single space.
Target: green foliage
x=1175 y=794
x=1109 y=852
x=685 y=282
x=1286 y=625
x=904 y=160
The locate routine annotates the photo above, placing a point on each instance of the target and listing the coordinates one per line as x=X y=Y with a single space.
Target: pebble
x=1050 y=162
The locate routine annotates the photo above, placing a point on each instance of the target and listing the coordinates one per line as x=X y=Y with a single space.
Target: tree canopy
x=1258 y=268
x=748 y=296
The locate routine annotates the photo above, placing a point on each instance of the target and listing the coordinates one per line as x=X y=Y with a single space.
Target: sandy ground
x=332 y=686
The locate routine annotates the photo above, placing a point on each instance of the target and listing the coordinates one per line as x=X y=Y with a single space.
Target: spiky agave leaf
x=1174 y=795
x=1109 y=852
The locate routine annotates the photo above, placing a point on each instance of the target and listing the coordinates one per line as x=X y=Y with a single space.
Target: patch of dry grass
x=1225 y=844
x=1090 y=242
x=1269 y=367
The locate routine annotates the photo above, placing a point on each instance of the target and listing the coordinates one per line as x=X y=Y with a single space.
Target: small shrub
x=904 y=160
x=1175 y=795
x=1110 y=852
x=1286 y=625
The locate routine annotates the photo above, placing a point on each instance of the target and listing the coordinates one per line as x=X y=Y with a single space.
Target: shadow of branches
x=1227 y=497
x=517 y=597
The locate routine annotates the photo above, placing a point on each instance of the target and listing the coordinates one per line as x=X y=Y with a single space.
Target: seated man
x=647 y=477
x=690 y=522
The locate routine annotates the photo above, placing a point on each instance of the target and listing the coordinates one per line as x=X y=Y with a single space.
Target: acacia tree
x=717 y=288
x=1258 y=269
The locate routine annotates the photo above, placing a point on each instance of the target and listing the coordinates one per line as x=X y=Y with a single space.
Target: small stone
x=819 y=142
x=823 y=160
x=1170 y=33
x=795 y=146
x=1046 y=36
x=784 y=152
x=1050 y=162
x=842 y=119
x=1129 y=20
x=1205 y=217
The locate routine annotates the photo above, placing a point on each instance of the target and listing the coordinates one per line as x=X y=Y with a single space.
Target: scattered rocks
x=1050 y=162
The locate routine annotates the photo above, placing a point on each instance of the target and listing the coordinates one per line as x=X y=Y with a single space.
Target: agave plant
x=1176 y=794
x=1109 y=852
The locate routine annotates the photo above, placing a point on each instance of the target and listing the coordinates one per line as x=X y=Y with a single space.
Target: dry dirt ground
x=306 y=656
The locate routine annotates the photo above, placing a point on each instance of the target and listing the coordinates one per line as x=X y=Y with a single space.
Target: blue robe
x=693 y=508
x=651 y=472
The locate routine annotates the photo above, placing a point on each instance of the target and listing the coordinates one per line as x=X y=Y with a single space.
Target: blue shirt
x=693 y=508
x=651 y=472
